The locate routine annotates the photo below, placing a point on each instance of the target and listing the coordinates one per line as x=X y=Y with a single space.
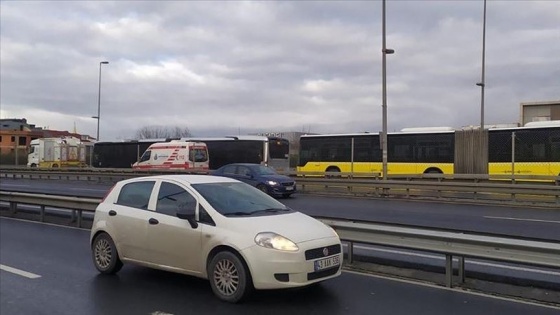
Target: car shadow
x=139 y=290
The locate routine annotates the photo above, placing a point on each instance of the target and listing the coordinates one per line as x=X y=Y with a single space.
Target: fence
x=13 y=155
x=481 y=189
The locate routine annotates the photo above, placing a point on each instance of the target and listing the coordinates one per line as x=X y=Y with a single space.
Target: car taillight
x=107 y=194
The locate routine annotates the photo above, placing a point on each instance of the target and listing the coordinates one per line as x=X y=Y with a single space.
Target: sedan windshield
x=239 y=199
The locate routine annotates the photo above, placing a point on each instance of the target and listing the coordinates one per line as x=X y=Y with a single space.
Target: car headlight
x=272 y=183
x=275 y=241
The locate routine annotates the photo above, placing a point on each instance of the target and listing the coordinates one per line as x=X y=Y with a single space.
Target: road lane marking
x=391 y=251
x=19 y=272
x=521 y=219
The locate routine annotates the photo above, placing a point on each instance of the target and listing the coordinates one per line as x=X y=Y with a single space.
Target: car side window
x=136 y=195
x=230 y=169
x=172 y=198
x=243 y=171
x=204 y=216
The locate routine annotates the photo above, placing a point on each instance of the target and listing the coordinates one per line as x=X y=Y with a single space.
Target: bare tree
x=153 y=132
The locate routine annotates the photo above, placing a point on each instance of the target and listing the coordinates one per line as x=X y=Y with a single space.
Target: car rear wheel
x=229 y=278
x=104 y=254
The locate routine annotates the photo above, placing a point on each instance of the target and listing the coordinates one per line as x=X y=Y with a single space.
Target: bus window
x=279 y=148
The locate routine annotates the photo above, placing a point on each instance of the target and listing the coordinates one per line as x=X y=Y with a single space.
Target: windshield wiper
x=238 y=213
x=270 y=210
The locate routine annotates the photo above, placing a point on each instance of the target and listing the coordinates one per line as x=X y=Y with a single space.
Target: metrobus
x=120 y=154
x=270 y=151
x=533 y=150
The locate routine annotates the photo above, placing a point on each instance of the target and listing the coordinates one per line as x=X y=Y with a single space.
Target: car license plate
x=327 y=263
x=290 y=188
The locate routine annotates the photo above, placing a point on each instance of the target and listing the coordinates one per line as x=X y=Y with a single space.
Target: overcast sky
x=239 y=67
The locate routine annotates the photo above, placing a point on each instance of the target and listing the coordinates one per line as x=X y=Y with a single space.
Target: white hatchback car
x=212 y=227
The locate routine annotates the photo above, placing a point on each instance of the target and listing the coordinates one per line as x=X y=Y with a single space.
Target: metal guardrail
x=79 y=205
x=435 y=176
x=534 y=191
x=461 y=245
x=487 y=192
x=89 y=174
x=18 y=171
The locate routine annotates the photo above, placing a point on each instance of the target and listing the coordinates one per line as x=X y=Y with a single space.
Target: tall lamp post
x=385 y=52
x=482 y=84
x=98 y=117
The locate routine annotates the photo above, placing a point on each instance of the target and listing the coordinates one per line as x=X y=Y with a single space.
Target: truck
x=186 y=155
x=57 y=152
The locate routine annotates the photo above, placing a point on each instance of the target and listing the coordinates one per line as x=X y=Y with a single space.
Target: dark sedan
x=260 y=176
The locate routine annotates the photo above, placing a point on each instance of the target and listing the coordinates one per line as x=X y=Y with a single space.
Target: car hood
x=295 y=226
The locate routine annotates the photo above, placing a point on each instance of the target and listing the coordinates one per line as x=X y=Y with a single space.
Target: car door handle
x=112 y=213
x=153 y=221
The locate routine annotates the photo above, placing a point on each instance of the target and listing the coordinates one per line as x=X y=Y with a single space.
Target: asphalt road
x=510 y=221
x=61 y=279
x=528 y=223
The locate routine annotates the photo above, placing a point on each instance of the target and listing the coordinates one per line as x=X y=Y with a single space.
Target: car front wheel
x=104 y=254
x=229 y=279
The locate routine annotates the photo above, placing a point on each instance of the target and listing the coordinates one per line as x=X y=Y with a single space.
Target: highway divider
x=481 y=189
x=450 y=243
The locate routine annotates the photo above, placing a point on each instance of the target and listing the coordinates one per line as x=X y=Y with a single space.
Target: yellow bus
x=532 y=150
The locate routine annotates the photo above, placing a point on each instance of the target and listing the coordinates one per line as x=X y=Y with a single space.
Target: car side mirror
x=188 y=213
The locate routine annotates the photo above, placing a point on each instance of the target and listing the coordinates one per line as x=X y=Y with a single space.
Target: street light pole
x=385 y=52
x=483 y=153
x=482 y=82
x=98 y=117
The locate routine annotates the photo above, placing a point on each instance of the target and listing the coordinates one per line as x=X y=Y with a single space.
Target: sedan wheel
x=229 y=278
x=105 y=256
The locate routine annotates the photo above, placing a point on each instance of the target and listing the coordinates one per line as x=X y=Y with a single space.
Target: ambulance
x=175 y=155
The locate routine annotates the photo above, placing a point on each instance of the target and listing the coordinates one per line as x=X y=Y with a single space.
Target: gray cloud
x=240 y=67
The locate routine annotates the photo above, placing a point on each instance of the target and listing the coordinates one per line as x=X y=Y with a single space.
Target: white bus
x=269 y=151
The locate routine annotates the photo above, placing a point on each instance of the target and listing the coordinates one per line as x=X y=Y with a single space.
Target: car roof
x=189 y=179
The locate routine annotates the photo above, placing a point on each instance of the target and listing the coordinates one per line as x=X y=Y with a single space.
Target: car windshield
x=239 y=199
x=264 y=170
